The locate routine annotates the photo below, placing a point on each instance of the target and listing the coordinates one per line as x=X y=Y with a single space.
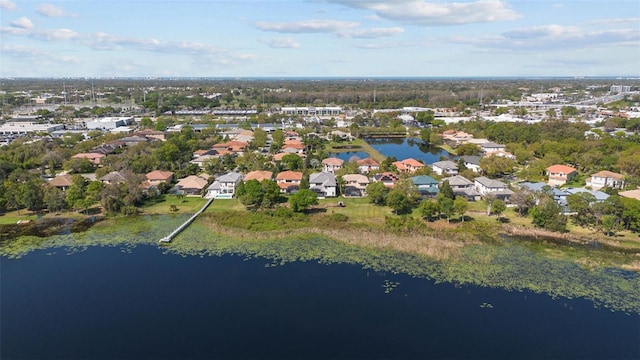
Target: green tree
x=292 y=162
x=548 y=215
x=494 y=166
x=54 y=198
x=445 y=205
x=429 y=209
x=377 y=193
x=581 y=204
x=425 y=135
x=259 y=139
x=253 y=194
x=446 y=190
x=498 y=207
x=397 y=200
x=460 y=207
x=301 y=200
x=277 y=141
x=272 y=193
x=468 y=149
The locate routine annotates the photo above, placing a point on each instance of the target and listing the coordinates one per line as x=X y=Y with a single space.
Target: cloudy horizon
x=319 y=38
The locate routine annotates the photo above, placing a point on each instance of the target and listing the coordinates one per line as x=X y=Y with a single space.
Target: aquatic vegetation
x=515 y=265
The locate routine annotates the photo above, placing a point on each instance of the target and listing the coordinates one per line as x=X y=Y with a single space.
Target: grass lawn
x=357 y=209
x=12 y=217
x=185 y=205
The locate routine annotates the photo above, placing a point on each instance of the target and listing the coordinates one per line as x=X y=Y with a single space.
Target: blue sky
x=318 y=38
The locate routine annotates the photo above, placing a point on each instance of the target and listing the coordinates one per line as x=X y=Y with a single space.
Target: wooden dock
x=184 y=225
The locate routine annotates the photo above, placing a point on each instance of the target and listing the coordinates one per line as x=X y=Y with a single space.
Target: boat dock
x=184 y=225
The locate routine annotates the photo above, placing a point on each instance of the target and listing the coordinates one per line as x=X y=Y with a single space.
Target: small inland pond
x=113 y=292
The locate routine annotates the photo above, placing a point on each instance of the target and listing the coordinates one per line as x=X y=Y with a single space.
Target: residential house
x=604 y=179
x=280 y=155
x=456 y=138
x=462 y=186
x=114 y=177
x=599 y=195
x=560 y=174
x=445 y=168
x=631 y=194
x=559 y=195
x=157 y=177
x=389 y=179
x=134 y=140
x=495 y=188
x=151 y=134
x=233 y=146
x=224 y=187
x=367 y=165
x=355 y=185
x=94 y=157
x=408 y=165
x=62 y=182
x=489 y=147
x=427 y=186
x=294 y=146
x=258 y=175
x=324 y=184
x=472 y=163
x=332 y=164
x=289 y=181
x=191 y=186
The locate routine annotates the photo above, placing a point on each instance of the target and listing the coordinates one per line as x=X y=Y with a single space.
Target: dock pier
x=184 y=225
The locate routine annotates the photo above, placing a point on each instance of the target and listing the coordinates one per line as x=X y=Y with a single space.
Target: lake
x=403 y=148
x=144 y=302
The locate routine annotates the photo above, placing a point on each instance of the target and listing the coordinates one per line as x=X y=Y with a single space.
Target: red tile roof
x=289 y=175
x=564 y=169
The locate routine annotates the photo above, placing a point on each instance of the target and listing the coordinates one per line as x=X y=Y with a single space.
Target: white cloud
x=20 y=51
x=371 y=33
x=281 y=43
x=307 y=26
x=8 y=5
x=632 y=20
x=554 y=37
x=343 y=29
x=429 y=13
x=22 y=23
x=50 y=10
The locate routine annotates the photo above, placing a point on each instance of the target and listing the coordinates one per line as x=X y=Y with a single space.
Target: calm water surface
x=109 y=303
x=403 y=148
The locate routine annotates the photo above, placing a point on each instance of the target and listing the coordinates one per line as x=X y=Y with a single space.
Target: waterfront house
x=332 y=164
x=408 y=165
x=560 y=174
x=445 y=167
x=323 y=184
x=224 y=187
x=559 y=195
x=62 y=182
x=367 y=165
x=355 y=185
x=599 y=195
x=289 y=181
x=495 y=188
x=157 y=176
x=462 y=186
x=604 y=179
x=191 y=186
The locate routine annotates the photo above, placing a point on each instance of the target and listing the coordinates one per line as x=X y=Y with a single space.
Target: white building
x=109 y=123
x=313 y=111
x=323 y=183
